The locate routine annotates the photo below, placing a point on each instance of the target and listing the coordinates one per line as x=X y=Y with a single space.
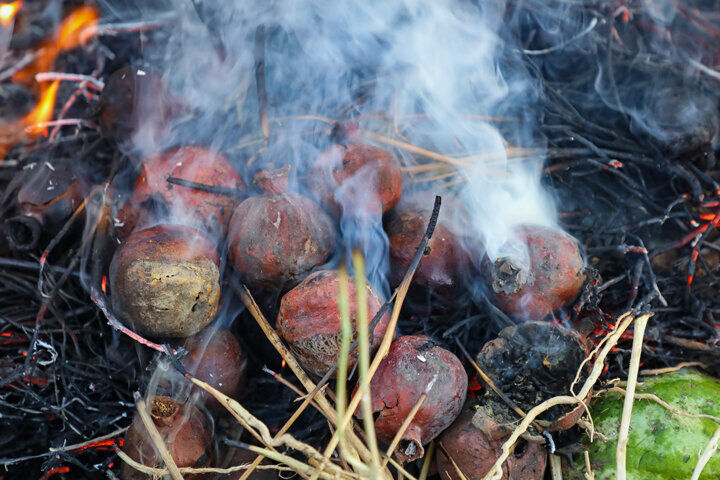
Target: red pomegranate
x=309 y=320
x=474 y=442
x=217 y=359
x=165 y=281
x=549 y=277
x=413 y=364
x=356 y=175
x=183 y=429
x=156 y=199
x=279 y=236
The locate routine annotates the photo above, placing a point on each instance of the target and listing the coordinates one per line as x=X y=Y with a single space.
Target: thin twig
x=707 y=453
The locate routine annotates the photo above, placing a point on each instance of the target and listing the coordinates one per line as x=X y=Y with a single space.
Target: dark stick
x=232 y=192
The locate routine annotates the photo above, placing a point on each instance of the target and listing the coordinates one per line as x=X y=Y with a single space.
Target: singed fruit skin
x=309 y=320
x=218 y=361
x=165 y=281
x=356 y=176
x=554 y=279
x=413 y=362
x=156 y=199
x=278 y=238
x=475 y=440
x=661 y=445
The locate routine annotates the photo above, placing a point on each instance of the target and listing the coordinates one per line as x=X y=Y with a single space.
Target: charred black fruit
x=533 y=362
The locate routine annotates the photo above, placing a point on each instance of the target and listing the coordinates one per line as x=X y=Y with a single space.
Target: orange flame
x=8 y=12
x=43 y=111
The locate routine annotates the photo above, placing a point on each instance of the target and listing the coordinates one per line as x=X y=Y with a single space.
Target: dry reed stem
x=160 y=472
x=427 y=461
x=555 y=467
x=624 y=431
x=623 y=323
x=401 y=470
x=455 y=466
x=156 y=438
x=663 y=403
x=658 y=371
x=589 y=475
x=327 y=410
x=364 y=362
x=251 y=422
x=708 y=452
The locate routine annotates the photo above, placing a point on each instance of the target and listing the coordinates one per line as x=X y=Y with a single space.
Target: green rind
x=662 y=445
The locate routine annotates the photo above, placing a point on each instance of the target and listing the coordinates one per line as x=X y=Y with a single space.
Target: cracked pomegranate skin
x=403 y=375
x=183 y=429
x=165 y=281
x=474 y=442
x=554 y=279
x=356 y=175
x=218 y=361
x=309 y=320
x=276 y=238
x=155 y=199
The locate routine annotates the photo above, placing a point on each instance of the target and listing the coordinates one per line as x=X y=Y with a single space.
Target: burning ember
x=359 y=240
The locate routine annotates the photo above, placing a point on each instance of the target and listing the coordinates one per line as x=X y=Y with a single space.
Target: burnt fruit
x=356 y=176
x=279 y=236
x=135 y=102
x=183 y=429
x=444 y=259
x=217 y=359
x=533 y=362
x=165 y=281
x=413 y=365
x=540 y=270
x=309 y=320
x=474 y=442
x=155 y=199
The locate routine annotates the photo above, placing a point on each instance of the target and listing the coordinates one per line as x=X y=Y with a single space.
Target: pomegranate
x=474 y=442
x=165 y=281
x=279 y=236
x=549 y=277
x=309 y=320
x=156 y=199
x=217 y=359
x=354 y=175
x=413 y=363
x=445 y=259
x=183 y=429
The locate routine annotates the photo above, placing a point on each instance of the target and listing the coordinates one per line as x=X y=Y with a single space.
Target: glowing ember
x=43 y=111
x=8 y=12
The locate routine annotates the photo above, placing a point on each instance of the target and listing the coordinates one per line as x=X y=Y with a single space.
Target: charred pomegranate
x=356 y=174
x=309 y=320
x=156 y=199
x=533 y=362
x=135 y=102
x=413 y=363
x=165 y=281
x=184 y=431
x=47 y=196
x=279 y=236
x=545 y=272
x=444 y=260
x=474 y=442
x=217 y=359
